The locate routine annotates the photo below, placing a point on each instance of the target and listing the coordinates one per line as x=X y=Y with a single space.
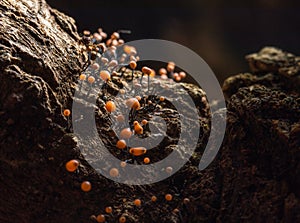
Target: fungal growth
x=72 y=165
x=127 y=97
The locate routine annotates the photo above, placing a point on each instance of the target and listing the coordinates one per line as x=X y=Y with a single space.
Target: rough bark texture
x=255 y=177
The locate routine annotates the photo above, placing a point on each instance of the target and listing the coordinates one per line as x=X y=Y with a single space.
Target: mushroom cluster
x=107 y=59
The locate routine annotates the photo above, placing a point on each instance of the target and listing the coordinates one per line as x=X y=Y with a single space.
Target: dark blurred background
x=221 y=32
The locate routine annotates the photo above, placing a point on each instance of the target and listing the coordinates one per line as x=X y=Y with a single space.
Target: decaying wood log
x=255 y=177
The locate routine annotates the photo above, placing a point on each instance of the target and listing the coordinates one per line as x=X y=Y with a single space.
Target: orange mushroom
x=153 y=198
x=104 y=75
x=171 y=66
x=182 y=74
x=110 y=106
x=133 y=103
x=137 y=202
x=176 y=210
x=82 y=77
x=121 y=144
x=115 y=35
x=169 y=169
x=153 y=73
x=168 y=197
x=67 y=112
x=138 y=129
x=120 y=118
x=162 y=71
x=144 y=122
x=123 y=164
x=122 y=219
x=100 y=218
x=72 y=165
x=114 y=172
x=91 y=79
x=126 y=133
x=86 y=186
x=186 y=200
x=138 y=151
x=108 y=210
x=146 y=70
x=130 y=50
x=146 y=160
x=162 y=98
x=132 y=64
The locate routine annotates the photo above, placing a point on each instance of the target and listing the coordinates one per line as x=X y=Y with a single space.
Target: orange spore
x=126 y=133
x=110 y=106
x=138 y=151
x=72 y=165
x=121 y=144
x=86 y=186
x=67 y=112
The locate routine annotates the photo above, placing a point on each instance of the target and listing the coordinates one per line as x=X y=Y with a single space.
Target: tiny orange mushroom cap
x=162 y=98
x=122 y=219
x=138 y=151
x=121 y=144
x=126 y=133
x=129 y=49
x=104 y=75
x=176 y=210
x=113 y=63
x=146 y=70
x=144 y=122
x=171 y=66
x=115 y=35
x=108 y=210
x=91 y=79
x=182 y=74
x=153 y=198
x=123 y=164
x=114 y=172
x=138 y=129
x=164 y=77
x=132 y=57
x=82 y=77
x=162 y=71
x=110 y=106
x=120 y=118
x=67 y=112
x=137 y=202
x=133 y=103
x=86 y=186
x=168 y=197
x=186 y=200
x=169 y=169
x=132 y=64
x=100 y=218
x=146 y=160
x=72 y=165
x=153 y=73
x=104 y=60
x=175 y=75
